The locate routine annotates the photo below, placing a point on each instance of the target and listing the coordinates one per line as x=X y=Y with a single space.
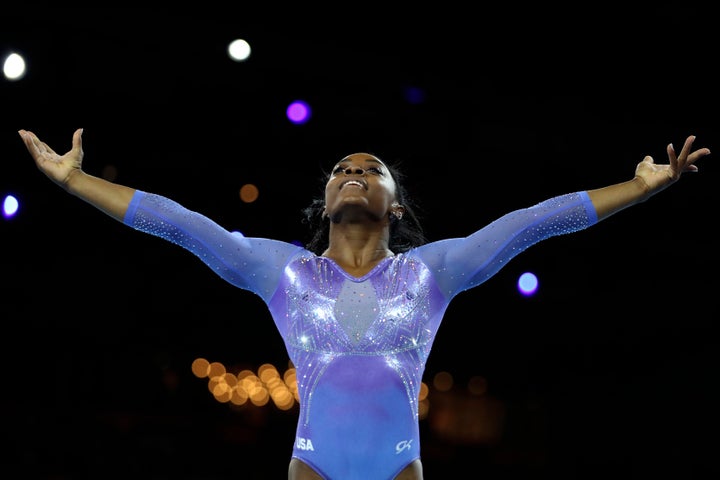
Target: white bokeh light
x=14 y=67
x=239 y=50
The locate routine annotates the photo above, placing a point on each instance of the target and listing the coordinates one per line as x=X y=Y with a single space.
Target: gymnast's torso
x=359 y=346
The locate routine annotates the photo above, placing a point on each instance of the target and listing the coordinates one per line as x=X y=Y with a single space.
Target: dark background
x=611 y=369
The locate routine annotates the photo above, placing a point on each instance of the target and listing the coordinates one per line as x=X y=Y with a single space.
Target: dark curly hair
x=404 y=234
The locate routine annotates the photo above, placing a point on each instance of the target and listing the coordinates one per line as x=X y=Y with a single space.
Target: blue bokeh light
x=527 y=284
x=10 y=206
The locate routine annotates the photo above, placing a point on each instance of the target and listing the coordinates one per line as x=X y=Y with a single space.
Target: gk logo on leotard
x=402 y=445
x=304 y=444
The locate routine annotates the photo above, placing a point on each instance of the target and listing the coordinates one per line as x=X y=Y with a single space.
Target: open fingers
x=687 y=146
x=687 y=158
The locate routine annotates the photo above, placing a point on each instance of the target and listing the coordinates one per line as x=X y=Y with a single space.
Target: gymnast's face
x=360 y=187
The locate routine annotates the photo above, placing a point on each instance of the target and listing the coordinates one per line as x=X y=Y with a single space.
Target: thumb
x=77 y=139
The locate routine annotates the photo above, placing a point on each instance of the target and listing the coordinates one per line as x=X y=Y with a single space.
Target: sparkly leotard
x=359 y=345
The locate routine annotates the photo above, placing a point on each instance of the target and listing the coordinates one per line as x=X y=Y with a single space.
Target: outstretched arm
x=650 y=178
x=66 y=170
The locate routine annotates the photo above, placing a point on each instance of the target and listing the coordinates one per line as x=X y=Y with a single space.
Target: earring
x=398 y=213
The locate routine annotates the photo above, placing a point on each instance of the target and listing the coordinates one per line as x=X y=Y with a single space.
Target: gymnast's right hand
x=59 y=168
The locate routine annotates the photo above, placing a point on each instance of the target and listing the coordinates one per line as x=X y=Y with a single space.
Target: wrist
x=72 y=179
x=641 y=189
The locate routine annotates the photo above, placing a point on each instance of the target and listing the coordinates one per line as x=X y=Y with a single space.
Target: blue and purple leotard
x=359 y=345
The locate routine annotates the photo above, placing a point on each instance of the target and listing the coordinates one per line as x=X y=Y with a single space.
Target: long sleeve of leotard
x=463 y=263
x=254 y=264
